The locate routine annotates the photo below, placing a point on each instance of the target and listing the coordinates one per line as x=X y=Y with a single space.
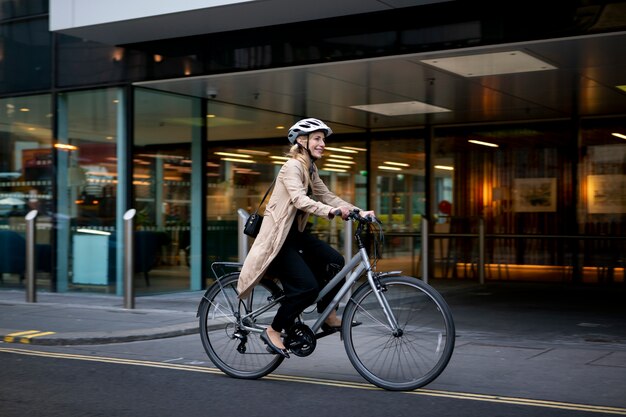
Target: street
x=171 y=377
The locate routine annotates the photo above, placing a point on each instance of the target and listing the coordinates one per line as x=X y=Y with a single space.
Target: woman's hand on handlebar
x=346 y=213
x=342 y=211
x=370 y=215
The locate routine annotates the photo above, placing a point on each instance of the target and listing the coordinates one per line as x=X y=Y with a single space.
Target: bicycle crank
x=300 y=340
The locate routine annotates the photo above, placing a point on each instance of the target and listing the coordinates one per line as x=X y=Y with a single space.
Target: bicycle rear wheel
x=410 y=358
x=235 y=351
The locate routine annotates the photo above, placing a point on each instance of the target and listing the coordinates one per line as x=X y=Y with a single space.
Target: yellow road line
x=328 y=382
x=25 y=336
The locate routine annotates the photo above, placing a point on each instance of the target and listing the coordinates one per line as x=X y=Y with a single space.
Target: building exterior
x=506 y=122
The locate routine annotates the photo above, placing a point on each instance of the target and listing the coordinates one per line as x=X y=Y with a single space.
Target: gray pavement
x=516 y=312
x=81 y=319
x=548 y=341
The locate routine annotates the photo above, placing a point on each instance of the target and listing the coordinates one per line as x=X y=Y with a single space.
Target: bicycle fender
x=388 y=274
x=204 y=296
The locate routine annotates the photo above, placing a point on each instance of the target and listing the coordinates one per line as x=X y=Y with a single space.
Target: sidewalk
x=515 y=312
x=81 y=319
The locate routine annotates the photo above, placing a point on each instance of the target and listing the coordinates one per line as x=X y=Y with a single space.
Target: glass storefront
x=26 y=183
x=87 y=178
x=162 y=190
x=549 y=196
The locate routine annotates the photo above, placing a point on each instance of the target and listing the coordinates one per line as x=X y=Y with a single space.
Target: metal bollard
x=31 y=283
x=425 y=254
x=481 y=250
x=129 y=270
x=243 y=239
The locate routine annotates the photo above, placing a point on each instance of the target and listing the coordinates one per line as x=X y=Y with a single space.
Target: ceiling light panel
x=401 y=108
x=511 y=62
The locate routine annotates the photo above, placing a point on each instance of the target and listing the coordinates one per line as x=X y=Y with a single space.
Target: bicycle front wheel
x=414 y=354
x=236 y=351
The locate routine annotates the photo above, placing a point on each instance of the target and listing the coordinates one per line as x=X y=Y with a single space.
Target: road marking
x=25 y=336
x=329 y=382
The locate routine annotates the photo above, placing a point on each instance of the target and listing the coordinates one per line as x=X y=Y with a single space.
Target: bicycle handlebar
x=354 y=215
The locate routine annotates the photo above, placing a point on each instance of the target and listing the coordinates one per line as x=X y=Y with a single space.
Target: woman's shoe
x=272 y=348
x=330 y=329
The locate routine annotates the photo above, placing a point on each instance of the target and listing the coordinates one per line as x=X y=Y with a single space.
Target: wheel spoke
x=415 y=354
x=236 y=351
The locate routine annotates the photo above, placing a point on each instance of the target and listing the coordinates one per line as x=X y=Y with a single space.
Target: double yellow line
x=25 y=336
x=328 y=382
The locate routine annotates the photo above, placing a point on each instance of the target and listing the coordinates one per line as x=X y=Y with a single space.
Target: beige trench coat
x=289 y=196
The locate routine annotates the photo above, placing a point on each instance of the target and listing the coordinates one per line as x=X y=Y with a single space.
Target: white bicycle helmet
x=306 y=126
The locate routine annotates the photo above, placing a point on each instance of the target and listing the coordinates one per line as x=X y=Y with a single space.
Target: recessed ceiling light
x=340 y=150
x=386 y=168
x=510 y=62
x=399 y=164
x=444 y=167
x=479 y=142
x=401 y=108
x=619 y=135
x=245 y=161
x=236 y=155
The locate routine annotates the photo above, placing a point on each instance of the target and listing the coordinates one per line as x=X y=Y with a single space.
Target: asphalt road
x=173 y=377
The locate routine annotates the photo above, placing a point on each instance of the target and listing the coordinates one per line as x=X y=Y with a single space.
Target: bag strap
x=265 y=196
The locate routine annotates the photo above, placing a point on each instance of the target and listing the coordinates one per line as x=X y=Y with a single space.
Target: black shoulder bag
x=253 y=224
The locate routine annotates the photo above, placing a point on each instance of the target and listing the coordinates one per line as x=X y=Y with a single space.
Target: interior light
x=619 y=135
x=282 y=158
x=478 y=142
x=401 y=108
x=337 y=166
x=210 y=116
x=333 y=169
x=355 y=149
x=399 y=164
x=65 y=147
x=245 y=161
x=280 y=127
x=444 y=167
x=509 y=62
x=386 y=168
x=24 y=109
x=252 y=152
x=236 y=155
x=341 y=150
x=339 y=161
x=339 y=156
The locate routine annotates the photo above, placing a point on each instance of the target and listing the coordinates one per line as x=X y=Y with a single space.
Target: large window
x=602 y=202
x=25 y=185
x=162 y=189
x=87 y=173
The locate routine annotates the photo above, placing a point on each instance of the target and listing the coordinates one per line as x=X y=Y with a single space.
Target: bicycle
x=397 y=331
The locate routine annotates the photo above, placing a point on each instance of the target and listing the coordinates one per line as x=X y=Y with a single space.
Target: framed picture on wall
x=606 y=194
x=534 y=195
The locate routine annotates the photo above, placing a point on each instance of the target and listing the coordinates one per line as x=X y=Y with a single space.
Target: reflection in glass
x=162 y=189
x=25 y=185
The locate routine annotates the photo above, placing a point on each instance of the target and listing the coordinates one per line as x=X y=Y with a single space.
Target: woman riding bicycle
x=284 y=248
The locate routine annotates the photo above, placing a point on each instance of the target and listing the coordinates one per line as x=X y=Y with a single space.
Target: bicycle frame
x=353 y=270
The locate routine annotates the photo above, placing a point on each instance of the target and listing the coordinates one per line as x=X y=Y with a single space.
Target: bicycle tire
x=399 y=362
x=218 y=327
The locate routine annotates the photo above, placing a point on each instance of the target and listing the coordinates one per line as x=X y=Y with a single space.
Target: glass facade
x=87 y=183
x=162 y=189
x=81 y=145
x=26 y=183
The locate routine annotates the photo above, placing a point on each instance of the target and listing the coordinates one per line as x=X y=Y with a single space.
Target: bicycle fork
x=374 y=281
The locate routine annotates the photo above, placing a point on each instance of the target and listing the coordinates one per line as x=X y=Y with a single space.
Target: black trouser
x=303 y=267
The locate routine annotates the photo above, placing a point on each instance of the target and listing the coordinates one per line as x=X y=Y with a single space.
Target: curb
x=95 y=338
